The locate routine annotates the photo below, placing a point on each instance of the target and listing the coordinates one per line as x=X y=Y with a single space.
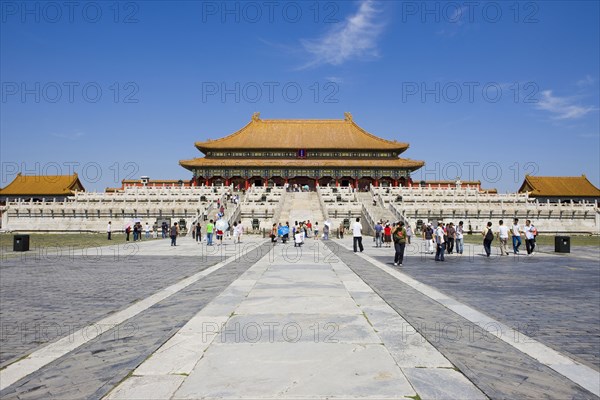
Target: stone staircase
x=378 y=212
x=301 y=206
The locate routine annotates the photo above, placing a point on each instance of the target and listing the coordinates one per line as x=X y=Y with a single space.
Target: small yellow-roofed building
x=39 y=187
x=310 y=152
x=560 y=188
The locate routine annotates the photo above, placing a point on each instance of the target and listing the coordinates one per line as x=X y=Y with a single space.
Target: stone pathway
x=496 y=366
x=300 y=325
x=271 y=322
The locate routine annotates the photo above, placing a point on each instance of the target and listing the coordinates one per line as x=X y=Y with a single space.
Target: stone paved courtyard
x=263 y=321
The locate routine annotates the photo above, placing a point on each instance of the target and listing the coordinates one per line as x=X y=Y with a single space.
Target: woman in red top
x=387 y=235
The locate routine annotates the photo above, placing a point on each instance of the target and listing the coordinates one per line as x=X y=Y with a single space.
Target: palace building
x=335 y=152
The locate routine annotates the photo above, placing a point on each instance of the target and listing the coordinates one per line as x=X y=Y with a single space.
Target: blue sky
x=484 y=90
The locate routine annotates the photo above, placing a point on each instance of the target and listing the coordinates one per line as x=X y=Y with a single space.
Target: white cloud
x=354 y=38
x=587 y=81
x=562 y=107
x=68 y=136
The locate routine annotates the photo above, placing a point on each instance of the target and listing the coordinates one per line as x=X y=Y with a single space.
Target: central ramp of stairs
x=301 y=206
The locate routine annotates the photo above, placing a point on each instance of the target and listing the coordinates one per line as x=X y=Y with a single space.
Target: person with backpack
x=174 y=232
x=399 y=237
x=488 y=237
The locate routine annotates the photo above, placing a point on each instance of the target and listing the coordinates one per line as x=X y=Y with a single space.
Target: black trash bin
x=562 y=244
x=21 y=243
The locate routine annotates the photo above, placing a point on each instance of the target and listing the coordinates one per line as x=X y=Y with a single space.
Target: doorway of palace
x=364 y=182
x=276 y=181
x=346 y=181
x=327 y=180
x=386 y=182
x=302 y=181
x=238 y=182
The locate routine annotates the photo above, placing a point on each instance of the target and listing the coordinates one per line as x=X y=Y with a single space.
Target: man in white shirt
x=109 y=230
x=529 y=238
x=357 y=235
x=440 y=243
x=147 y=229
x=516 y=235
x=503 y=238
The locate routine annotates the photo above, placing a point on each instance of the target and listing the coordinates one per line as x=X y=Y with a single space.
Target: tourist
x=109 y=230
x=459 y=238
x=378 y=234
x=135 y=232
x=309 y=227
x=445 y=229
x=325 y=231
x=127 y=231
x=164 y=228
x=220 y=236
x=440 y=245
x=529 y=237
x=286 y=234
x=173 y=234
x=198 y=230
x=409 y=233
x=428 y=237
x=387 y=235
x=450 y=235
x=399 y=237
x=357 y=235
x=488 y=237
x=147 y=229
x=240 y=231
x=516 y=235
x=502 y=238
x=210 y=227
x=298 y=239
x=316 y=230
x=341 y=230
x=274 y=234
x=235 y=233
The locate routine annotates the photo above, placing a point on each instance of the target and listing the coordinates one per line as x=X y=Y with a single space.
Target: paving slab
x=296 y=370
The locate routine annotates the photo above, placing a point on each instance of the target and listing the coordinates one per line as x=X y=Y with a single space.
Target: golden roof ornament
x=347 y=117
x=256 y=116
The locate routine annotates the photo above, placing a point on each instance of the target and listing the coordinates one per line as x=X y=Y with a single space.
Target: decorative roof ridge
x=239 y=131
x=395 y=142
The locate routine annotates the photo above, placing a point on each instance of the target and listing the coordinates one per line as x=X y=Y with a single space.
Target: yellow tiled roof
x=42 y=185
x=556 y=186
x=343 y=134
x=301 y=163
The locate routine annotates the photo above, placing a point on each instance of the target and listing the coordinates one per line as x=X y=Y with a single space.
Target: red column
x=355 y=183
x=336 y=182
x=286 y=180
x=226 y=182
x=266 y=182
x=316 y=183
x=207 y=182
x=395 y=182
x=376 y=183
x=246 y=184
